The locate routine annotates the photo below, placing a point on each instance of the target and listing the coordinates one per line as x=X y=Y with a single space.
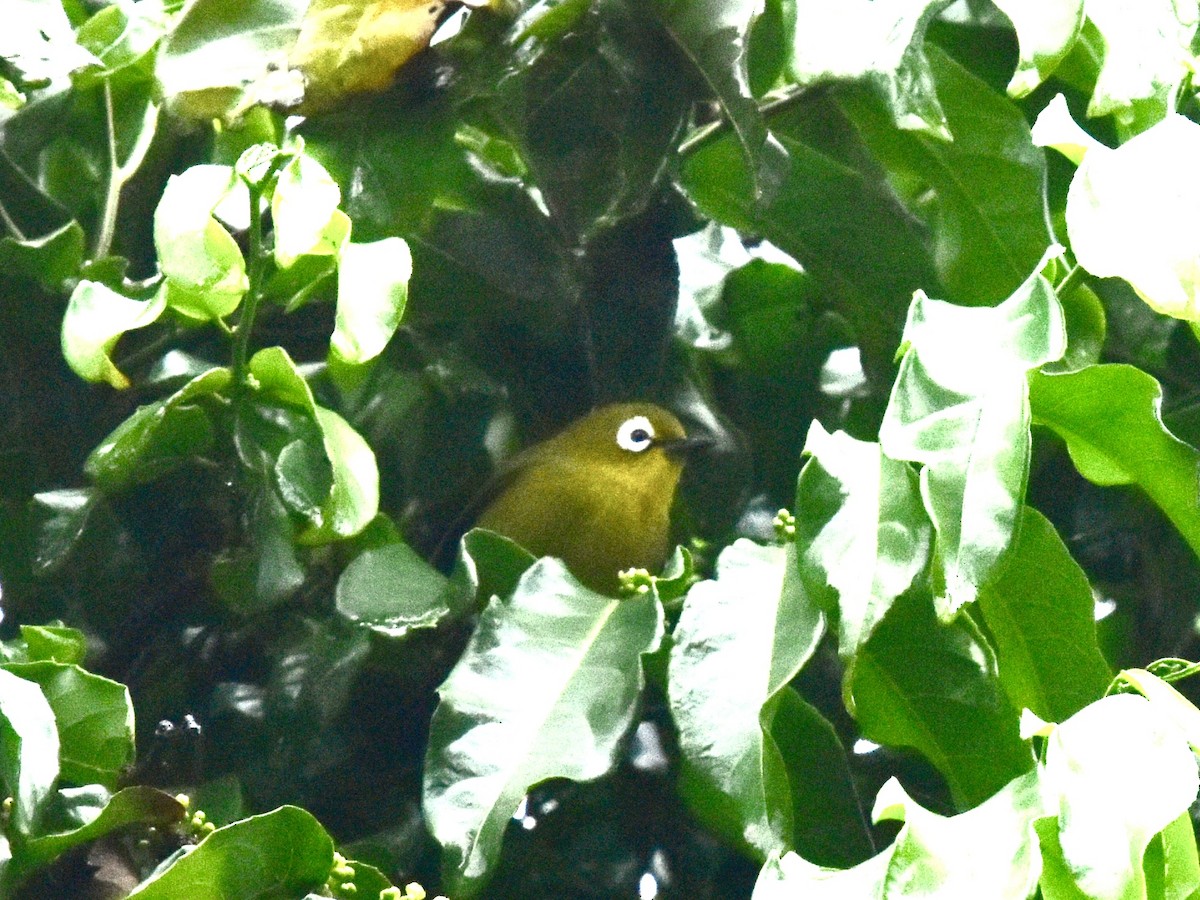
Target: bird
x=597 y=495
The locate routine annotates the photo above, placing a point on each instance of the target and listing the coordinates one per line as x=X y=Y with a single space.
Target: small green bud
x=785 y=526
x=635 y=582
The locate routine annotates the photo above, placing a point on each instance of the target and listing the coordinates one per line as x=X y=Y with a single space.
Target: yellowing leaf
x=350 y=46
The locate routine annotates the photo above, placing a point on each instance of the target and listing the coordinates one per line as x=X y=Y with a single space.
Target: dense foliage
x=284 y=282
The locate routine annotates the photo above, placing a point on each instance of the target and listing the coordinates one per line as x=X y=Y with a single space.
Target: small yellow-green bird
x=597 y=495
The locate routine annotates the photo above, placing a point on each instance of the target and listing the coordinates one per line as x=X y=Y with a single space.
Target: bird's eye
x=635 y=434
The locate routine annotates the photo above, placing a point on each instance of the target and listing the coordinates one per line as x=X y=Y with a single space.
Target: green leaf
x=713 y=35
x=1147 y=58
x=372 y=293
x=158 y=437
x=1111 y=419
x=1046 y=30
x=983 y=193
x=392 y=590
x=224 y=55
x=1041 y=615
x=39 y=42
x=1123 y=207
x=353 y=497
x=489 y=565
x=829 y=827
x=50 y=260
x=1119 y=772
x=934 y=687
x=132 y=805
x=1171 y=864
x=95 y=319
x=882 y=44
x=304 y=210
x=546 y=688
x=281 y=853
x=862 y=532
x=55 y=643
x=61 y=516
x=264 y=571
x=988 y=852
x=204 y=267
x=960 y=407
x=94 y=717
x=739 y=641
x=28 y=749
x=835 y=214
x=121 y=36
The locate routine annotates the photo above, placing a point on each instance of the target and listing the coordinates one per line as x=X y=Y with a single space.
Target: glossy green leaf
x=1119 y=772
x=132 y=805
x=54 y=643
x=1171 y=863
x=835 y=214
x=960 y=407
x=547 y=688
x=1046 y=30
x=934 y=687
x=489 y=565
x=353 y=497
x=204 y=267
x=1041 y=615
x=392 y=590
x=50 y=259
x=372 y=293
x=284 y=852
x=739 y=641
x=157 y=437
x=990 y=851
x=1147 y=57
x=713 y=35
x=120 y=36
x=882 y=44
x=61 y=516
x=304 y=210
x=223 y=55
x=830 y=827
x=1167 y=702
x=1111 y=419
x=94 y=717
x=29 y=748
x=983 y=194
x=95 y=319
x=862 y=533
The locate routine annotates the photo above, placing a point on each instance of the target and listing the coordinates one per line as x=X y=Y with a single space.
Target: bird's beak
x=683 y=448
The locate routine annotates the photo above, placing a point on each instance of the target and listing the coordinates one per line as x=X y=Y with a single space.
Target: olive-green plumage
x=597 y=495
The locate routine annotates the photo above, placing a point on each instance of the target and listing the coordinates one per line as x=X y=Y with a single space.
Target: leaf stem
x=1071 y=280
x=112 y=194
x=11 y=224
x=766 y=109
x=258 y=259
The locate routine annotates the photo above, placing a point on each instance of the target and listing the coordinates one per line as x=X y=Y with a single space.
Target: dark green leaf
x=53 y=643
x=392 y=590
x=50 y=260
x=546 y=688
x=158 y=437
x=62 y=517
x=934 y=687
x=713 y=35
x=1041 y=613
x=835 y=214
x=265 y=571
x=983 y=193
x=282 y=853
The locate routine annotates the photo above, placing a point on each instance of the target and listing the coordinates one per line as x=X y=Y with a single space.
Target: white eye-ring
x=635 y=434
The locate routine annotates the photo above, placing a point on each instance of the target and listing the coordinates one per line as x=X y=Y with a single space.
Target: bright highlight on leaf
x=880 y=42
x=1046 y=31
x=1131 y=211
x=95 y=319
x=304 y=210
x=372 y=293
x=204 y=268
x=960 y=407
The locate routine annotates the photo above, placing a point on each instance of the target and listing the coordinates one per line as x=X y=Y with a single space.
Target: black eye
x=639 y=435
